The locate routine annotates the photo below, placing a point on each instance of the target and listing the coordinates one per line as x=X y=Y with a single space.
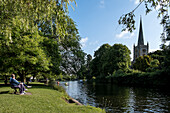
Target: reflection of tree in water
x=151 y=100
x=115 y=98
x=110 y=97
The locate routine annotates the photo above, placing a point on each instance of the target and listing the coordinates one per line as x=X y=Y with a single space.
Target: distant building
x=140 y=49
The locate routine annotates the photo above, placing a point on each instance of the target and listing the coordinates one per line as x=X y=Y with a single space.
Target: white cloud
x=102 y=3
x=135 y=1
x=94 y=43
x=122 y=34
x=125 y=34
x=83 y=41
x=153 y=50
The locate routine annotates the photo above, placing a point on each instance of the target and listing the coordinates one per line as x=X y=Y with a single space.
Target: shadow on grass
x=8 y=92
x=4 y=85
x=34 y=86
x=4 y=92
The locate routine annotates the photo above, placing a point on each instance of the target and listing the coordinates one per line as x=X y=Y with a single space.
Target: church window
x=144 y=50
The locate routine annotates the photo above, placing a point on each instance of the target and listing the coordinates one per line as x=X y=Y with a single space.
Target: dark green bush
x=59 y=88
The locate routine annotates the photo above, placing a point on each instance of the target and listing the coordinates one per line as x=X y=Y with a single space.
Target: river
x=114 y=98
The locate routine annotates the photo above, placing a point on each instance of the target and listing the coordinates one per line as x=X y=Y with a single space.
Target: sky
x=97 y=22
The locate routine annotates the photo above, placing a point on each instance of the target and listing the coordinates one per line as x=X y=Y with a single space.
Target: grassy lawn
x=43 y=100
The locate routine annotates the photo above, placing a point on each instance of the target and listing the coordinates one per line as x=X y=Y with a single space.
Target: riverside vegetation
x=112 y=64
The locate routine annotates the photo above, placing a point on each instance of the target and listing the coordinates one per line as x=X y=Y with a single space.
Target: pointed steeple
x=140 y=37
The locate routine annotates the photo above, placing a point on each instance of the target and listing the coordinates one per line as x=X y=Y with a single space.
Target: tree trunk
x=6 y=79
x=46 y=80
x=22 y=76
x=33 y=80
x=34 y=74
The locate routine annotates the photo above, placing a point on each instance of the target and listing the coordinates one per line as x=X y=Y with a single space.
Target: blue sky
x=97 y=21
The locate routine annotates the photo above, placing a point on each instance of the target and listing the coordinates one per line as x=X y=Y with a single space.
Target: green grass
x=43 y=100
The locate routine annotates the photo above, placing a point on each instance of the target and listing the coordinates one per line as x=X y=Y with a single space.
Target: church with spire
x=141 y=49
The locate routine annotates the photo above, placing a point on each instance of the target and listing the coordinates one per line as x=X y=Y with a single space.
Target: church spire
x=140 y=37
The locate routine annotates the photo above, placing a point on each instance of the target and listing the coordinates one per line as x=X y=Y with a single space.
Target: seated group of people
x=15 y=84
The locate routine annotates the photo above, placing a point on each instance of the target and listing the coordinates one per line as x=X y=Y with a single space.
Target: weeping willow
x=30 y=15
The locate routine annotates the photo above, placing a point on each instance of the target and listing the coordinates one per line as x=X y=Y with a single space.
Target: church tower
x=140 y=49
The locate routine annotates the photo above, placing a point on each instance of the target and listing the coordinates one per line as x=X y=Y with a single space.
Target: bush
x=59 y=88
x=51 y=83
x=156 y=78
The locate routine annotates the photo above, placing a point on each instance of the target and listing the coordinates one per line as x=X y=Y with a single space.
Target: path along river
x=114 y=98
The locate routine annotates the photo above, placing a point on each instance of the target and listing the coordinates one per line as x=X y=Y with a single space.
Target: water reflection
x=115 y=98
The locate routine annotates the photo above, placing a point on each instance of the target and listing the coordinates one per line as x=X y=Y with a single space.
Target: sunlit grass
x=43 y=100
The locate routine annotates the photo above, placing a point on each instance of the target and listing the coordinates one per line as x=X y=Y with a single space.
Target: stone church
x=140 y=49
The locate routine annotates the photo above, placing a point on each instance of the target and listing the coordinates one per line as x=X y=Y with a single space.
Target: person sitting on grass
x=14 y=83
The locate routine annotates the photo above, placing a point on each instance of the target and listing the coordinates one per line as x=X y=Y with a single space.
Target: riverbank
x=158 y=78
x=44 y=99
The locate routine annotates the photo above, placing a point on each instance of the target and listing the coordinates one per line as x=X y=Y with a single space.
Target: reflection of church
x=140 y=49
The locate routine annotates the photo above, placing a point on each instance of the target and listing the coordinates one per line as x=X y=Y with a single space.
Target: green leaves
x=35 y=34
x=142 y=63
x=109 y=59
x=128 y=22
x=31 y=13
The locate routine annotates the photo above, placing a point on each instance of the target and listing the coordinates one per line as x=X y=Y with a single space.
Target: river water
x=114 y=98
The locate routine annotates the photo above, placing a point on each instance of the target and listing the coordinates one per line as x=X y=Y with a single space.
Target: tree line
x=113 y=64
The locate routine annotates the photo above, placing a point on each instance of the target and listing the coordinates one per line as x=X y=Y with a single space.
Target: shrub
x=59 y=88
x=52 y=83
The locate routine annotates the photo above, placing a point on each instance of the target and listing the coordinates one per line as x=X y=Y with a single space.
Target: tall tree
x=51 y=48
x=22 y=34
x=23 y=55
x=97 y=62
x=71 y=52
x=118 y=57
x=109 y=59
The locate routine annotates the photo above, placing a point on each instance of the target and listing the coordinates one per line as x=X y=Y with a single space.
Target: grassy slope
x=42 y=100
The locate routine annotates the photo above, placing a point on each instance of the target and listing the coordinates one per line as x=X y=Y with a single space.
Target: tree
x=31 y=13
x=118 y=57
x=167 y=57
x=158 y=55
x=97 y=62
x=51 y=48
x=109 y=59
x=72 y=60
x=30 y=35
x=70 y=48
x=142 y=63
x=24 y=55
x=128 y=22
x=84 y=71
x=88 y=61
x=154 y=63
